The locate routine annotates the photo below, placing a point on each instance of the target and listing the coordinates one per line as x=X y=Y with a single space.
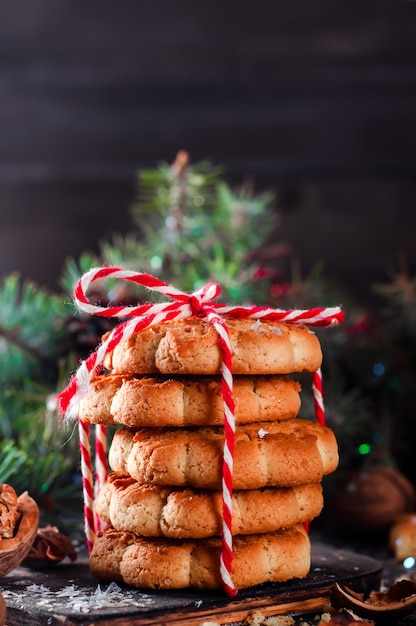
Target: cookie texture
x=95 y=406
x=187 y=401
x=153 y=511
x=267 y=454
x=191 y=347
x=168 y=564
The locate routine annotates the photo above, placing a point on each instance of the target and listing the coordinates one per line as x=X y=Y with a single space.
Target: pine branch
x=177 y=209
x=12 y=460
x=13 y=336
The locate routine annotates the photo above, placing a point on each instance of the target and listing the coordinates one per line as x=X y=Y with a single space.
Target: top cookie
x=191 y=347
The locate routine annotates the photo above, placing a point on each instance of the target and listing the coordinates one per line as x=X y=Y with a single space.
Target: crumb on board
x=256 y=618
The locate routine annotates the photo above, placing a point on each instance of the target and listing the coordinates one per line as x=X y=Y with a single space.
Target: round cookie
x=191 y=401
x=191 y=347
x=95 y=406
x=168 y=564
x=267 y=454
x=153 y=511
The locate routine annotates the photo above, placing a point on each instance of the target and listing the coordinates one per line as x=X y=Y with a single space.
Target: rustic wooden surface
x=315 y=99
x=68 y=594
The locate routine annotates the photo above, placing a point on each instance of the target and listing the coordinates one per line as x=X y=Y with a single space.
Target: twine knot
x=200 y=301
x=197 y=307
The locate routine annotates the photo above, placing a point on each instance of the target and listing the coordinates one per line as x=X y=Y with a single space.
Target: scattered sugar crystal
x=276 y=330
x=262 y=433
x=79 y=600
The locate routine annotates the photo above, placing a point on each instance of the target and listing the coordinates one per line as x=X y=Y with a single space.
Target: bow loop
x=200 y=301
x=196 y=301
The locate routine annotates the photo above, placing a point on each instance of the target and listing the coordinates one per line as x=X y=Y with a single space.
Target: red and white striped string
x=87 y=483
x=183 y=305
x=101 y=467
x=318 y=396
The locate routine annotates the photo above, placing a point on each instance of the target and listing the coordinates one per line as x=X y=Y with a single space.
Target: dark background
x=313 y=98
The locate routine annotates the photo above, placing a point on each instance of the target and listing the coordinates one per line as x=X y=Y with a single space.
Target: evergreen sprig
x=32 y=328
x=12 y=460
x=190 y=227
x=32 y=338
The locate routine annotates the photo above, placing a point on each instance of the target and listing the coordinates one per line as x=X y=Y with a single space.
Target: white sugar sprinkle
x=276 y=330
x=80 y=600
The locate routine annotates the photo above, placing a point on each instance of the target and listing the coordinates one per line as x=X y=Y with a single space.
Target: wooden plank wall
x=316 y=99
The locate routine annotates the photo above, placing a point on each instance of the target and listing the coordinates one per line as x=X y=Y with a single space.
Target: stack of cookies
x=162 y=502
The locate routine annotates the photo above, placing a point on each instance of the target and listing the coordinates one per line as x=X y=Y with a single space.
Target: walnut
x=9 y=515
x=14 y=549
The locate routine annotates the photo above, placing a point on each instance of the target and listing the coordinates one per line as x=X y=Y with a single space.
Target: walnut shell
x=14 y=550
x=3 y=611
x=397 y=601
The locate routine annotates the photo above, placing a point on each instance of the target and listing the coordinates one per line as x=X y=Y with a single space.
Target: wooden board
x=69 y=594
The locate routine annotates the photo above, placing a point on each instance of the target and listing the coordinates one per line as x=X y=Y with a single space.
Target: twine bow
x=198 y=304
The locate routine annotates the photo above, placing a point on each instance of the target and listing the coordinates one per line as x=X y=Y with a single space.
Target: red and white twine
x=183 y=305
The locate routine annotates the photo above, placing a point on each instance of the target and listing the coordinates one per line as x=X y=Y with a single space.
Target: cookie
x=267 y=454
x=191 y=401
x=95 y=406
x=153 y=511
x=191 y=347
x=168 y=564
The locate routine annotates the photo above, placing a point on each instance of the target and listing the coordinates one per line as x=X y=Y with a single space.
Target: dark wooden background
x=313 y=98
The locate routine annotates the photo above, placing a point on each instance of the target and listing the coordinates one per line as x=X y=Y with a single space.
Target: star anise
x=49 y=548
